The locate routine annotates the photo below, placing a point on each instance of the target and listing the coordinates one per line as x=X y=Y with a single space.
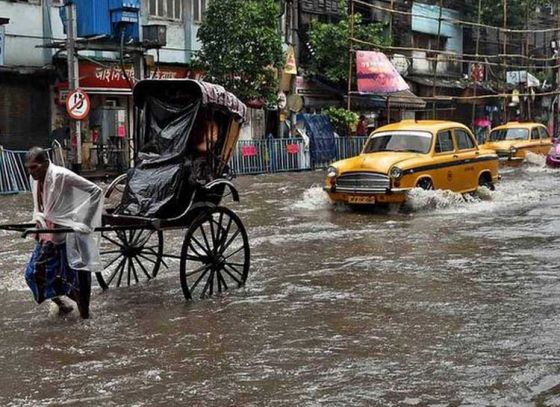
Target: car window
x=399 y=141
x=535 y=134
x=509 y=134
x=464 y=140
x=444 y=142
x=544 y=133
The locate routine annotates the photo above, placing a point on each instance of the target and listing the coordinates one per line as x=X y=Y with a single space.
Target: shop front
x=107 y=131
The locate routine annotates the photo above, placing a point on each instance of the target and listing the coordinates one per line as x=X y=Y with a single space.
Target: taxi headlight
x=332 y=172
x=513 y=150
x=396 y=173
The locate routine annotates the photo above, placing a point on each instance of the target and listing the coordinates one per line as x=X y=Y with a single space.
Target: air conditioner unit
x=154 y=35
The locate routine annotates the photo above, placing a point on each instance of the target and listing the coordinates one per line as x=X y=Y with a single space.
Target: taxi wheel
x=486 y=181
x=426 y=184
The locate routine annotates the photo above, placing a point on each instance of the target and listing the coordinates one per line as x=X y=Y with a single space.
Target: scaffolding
x=496 y=65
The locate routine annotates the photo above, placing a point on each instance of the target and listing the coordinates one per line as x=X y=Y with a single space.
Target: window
x=413 y=141
x=535 y=134
x=198 y=9
x=544 y=133
x=509 y=134
x=444 y=142
x=171 y=9
x=464 y=140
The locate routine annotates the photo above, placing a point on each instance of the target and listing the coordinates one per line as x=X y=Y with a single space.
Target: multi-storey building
x=33 y=75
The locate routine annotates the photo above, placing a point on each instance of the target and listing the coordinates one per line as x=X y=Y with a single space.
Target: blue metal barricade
x=281 y=155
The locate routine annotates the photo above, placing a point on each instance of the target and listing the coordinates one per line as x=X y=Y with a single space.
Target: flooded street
x=451 y=302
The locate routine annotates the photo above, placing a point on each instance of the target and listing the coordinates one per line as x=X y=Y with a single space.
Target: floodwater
x=451 y=302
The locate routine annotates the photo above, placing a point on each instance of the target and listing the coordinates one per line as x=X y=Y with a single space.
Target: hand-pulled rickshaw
x=185 y=133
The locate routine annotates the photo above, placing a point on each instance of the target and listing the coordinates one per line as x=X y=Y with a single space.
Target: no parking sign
x=78 y=104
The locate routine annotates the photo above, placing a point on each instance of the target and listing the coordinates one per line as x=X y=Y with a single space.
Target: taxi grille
x=363 y=182
x=503 y=153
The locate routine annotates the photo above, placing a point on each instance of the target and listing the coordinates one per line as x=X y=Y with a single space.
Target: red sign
x=78 y=104
x=112 y=76
x=376 y=74
x=292 y=148
x=249 y=151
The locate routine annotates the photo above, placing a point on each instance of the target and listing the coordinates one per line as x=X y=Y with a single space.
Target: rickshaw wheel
x=215 y=254
x=129 y=256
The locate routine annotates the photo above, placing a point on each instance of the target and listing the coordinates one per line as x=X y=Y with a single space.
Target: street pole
x=556 y=77
x=350 y=54
x=73 y=78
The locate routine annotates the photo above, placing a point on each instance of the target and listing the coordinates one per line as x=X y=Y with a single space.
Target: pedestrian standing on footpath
x=62 y=263
x=362 y=130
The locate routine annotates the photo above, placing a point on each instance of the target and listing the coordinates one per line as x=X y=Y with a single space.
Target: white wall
x=23 y=33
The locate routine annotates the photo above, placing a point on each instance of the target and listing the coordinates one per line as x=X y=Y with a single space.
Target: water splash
x=313 y=199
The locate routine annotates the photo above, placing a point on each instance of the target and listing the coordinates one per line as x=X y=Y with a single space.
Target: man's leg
x=84 y=285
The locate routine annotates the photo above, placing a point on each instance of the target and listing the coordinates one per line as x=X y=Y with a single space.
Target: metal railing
x=13 y=174
x=281 y=155
x=250 y=157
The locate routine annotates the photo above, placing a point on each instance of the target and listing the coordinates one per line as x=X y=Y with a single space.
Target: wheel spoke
x=110 y=252
x=203 y=232
x=112 y=241
x=121 y=273
x=112 y=261
x=198 y=270
x=225 y=246
x=146 y=258
x=213 y=233
x=157 y=255
x=128 y=272
x=199 y=279
x=134 y=270
x=208 y=283
x=226 y=233
x=234 y=269
x=143 y=269
x=234 y=253
x=220 y=277
x=196 y=251
x=200 y=245
x=232 y=277
x=116 y=271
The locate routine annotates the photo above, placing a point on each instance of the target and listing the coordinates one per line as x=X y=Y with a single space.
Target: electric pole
x=73 y=78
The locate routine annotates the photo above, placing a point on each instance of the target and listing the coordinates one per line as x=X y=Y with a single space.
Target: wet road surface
x=450 y=302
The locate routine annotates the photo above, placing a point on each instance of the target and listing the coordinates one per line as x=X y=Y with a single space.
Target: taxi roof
x=433 y=126
x=517 y=125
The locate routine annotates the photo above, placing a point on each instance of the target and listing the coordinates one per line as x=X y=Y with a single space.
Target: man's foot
x=84 y=312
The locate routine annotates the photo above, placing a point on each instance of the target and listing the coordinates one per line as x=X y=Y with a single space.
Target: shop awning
x=439 y=82
x=404 y=99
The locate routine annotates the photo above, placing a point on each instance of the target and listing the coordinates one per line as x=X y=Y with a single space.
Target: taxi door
x=445 y=157
x=466 y=174
x=535 y=141
x=546 y=141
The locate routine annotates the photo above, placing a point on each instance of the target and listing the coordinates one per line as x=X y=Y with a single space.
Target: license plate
x=361 y=199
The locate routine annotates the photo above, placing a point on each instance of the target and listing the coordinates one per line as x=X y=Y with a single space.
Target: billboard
x=376 y=74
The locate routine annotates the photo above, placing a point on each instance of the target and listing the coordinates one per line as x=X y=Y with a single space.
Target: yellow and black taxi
x=512 y=141
x=412 y=154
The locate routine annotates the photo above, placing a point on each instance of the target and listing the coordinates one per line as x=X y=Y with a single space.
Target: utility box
x=154 y=35
x=111 y=18
x=125 y=18
x=92 y=17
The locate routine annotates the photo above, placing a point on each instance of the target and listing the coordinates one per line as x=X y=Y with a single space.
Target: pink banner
x=292 y=148
x=248 y=151
x=376 y=74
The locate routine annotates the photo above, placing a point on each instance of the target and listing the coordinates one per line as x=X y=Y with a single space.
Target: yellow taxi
x=412 y=154
x=512 y=141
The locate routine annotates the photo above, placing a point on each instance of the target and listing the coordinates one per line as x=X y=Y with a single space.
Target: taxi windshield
x=509 y=134
x=399 y=141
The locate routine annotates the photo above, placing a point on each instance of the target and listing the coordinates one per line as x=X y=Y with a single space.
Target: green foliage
x=342 y=119
x=241 y=47
x=329 y=42
x=518 y=12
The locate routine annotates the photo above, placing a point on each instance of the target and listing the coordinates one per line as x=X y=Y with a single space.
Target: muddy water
x=450 y=302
